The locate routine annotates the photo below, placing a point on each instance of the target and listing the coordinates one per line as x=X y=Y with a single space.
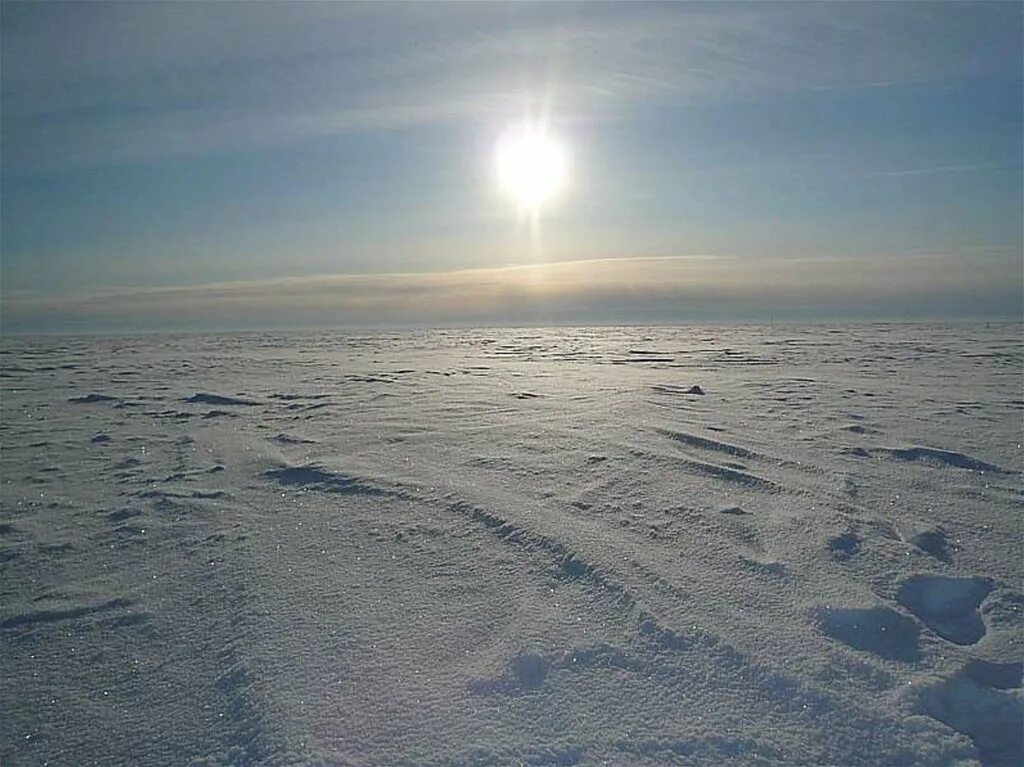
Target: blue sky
x=160 y=153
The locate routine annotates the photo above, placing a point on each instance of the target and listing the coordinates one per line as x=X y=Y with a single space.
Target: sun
x=531 y=164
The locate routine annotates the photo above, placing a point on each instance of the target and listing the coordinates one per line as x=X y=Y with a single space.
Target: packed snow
x=732 y=545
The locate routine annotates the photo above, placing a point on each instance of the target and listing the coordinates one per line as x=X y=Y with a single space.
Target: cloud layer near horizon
x=632 y=290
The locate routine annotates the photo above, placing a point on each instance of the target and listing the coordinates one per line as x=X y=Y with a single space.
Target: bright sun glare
x=531 y=165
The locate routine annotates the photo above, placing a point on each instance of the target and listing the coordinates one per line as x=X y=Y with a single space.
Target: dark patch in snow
x=89 y=399
x=530 y=670
x=703 y=443
x=845 y=545
x=63 y=613
x=934 y=542
x=573 y=567
x=598 y=656
x=943 y=457
x=318 y=478
x=856 y=428
x=661 y=636
x=710 y=749
x=991 y=718
x=525 y=395
x=777 y=569
x=285 y=439
x=122 y=514
x=202 y=398
x=1000 y=676
x=674 y=389
x=878 y=630
x=735 y=511
x=728 y=474
x=948 y=606
x=304 y=407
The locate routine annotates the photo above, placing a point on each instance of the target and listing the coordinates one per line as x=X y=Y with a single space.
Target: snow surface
x=505 y=547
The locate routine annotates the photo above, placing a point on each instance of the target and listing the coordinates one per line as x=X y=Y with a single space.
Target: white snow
x=515 y=546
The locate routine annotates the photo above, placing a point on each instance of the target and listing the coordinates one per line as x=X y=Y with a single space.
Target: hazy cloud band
x=612 y=290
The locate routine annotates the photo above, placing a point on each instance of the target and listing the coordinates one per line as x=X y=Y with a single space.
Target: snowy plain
x=514 y=547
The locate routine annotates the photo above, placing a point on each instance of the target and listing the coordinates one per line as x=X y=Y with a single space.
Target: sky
x=234 y=165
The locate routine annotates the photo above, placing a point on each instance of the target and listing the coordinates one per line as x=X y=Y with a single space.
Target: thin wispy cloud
x=941 y=169
x=142 y=83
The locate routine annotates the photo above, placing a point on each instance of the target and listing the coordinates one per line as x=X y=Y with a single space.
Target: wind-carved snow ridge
x=738 y=546
x=569 y=565
x=724 y=470
x=654 y=650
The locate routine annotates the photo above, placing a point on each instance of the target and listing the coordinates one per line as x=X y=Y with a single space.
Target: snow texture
x=791 y=545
